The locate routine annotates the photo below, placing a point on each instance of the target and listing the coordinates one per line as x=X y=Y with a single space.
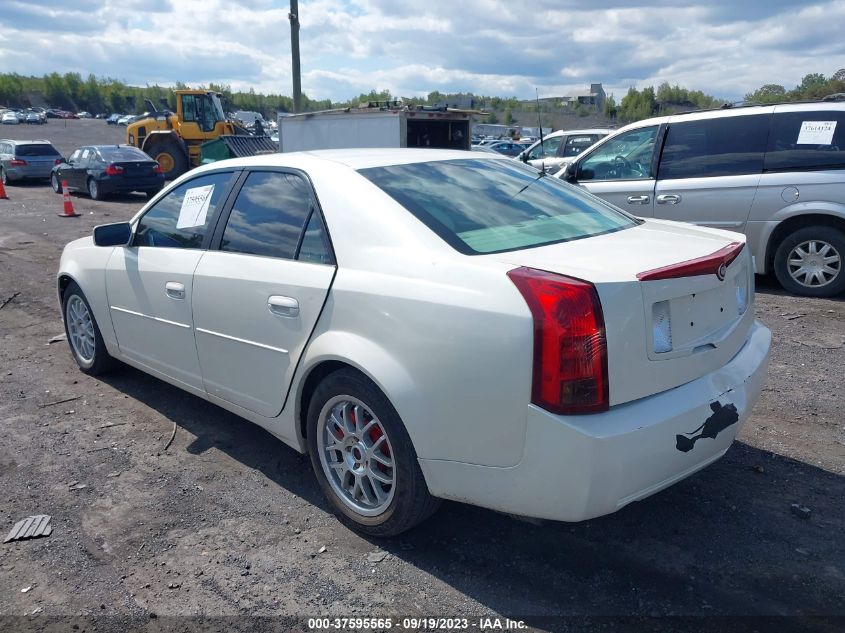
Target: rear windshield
x=490 y=206
x=40 y=149
x=116 y=154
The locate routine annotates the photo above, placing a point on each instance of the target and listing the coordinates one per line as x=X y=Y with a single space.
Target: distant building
x=595 y=98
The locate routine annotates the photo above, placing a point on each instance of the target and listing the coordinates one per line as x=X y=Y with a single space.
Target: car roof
x=354 y=158
x=39 y=141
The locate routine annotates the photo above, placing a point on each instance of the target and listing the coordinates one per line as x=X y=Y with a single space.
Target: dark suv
x=20 y=160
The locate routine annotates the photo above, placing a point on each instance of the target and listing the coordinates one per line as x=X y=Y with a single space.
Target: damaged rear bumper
x=579 y=467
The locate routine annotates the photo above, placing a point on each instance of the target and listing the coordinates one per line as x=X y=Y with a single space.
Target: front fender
x=85 y=264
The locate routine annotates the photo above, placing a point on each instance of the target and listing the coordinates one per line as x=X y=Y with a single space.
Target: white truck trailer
x=376 y=126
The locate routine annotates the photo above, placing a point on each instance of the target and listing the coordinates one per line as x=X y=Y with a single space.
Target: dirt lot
x=229 y=521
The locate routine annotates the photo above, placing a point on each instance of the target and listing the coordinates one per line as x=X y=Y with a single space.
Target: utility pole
x=293 y=16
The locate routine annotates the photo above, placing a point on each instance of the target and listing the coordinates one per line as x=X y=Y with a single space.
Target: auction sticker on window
x=816 y=133
x=195 y=207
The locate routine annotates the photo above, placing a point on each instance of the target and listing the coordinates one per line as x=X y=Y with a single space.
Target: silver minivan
x=775 y=173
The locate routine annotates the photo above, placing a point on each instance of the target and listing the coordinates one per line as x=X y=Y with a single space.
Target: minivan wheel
x=83 y=335
x=363 y=457
x=809 y=262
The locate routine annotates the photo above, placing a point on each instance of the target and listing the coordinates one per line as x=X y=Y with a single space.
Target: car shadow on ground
x=768 y=284
x=725 y=541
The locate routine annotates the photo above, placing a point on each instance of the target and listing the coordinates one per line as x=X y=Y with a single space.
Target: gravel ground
x=229 y=521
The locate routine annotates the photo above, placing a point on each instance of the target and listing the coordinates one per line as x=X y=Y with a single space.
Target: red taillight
x=707 y=265
x=17 y=162
x=58 y=161
x=114 y=170
x=570 y=347
x=157 y=169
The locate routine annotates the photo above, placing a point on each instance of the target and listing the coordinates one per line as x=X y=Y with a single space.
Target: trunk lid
x=137 y=169
x=661 y=332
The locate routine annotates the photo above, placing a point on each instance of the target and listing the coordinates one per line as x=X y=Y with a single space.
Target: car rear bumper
x=579 y=467
x=133 y=184
x=30 y=171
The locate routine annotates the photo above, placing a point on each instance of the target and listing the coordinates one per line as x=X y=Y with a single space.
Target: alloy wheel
x=80 y=329
x=356 y=455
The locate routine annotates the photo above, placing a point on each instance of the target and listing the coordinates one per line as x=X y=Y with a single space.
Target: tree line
x=645 y=103
x=105 y=95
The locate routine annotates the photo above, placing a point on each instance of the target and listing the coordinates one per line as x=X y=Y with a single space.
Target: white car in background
x=557 y=149
x=430 y=324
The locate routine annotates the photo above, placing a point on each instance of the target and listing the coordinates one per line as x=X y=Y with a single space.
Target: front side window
x=806 y=140
x=181 y=218
x=724 y=146
x=269 y=215
x=489 y=206
x=627 y=156
x=546 y=149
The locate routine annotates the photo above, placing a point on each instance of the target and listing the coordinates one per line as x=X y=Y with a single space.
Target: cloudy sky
x=495 y=47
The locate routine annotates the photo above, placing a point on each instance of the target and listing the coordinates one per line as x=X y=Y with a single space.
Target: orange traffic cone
x=3 y=195
x=68 y=211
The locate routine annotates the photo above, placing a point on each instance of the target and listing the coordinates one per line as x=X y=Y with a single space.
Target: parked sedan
x=507 y=148
x=100 y=170
x=431 y=324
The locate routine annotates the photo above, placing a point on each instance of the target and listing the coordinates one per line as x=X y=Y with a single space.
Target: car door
x=75 y=172
x=150 y=282
x=258 y=297
x=621 y=170
x=710 y=168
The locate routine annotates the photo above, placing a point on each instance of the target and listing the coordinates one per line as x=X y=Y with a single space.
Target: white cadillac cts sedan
x=432 y=325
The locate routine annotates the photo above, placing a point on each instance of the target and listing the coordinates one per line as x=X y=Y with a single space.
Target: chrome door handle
x=283 y=306
x=638 y=199
x=671 y=198
x=175 y=290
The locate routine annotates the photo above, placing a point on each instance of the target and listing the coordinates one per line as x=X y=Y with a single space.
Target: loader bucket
x=236 y=146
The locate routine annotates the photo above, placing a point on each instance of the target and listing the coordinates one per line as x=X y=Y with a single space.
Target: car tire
x=55 y=184
x=379 y=437
x=818 y=246
x=83 y=334
x=170 y=157
x=94 y=190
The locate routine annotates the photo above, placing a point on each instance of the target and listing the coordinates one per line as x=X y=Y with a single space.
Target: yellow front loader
x=174 y=139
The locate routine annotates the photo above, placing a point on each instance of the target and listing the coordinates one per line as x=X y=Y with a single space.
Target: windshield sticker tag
x=816 y=133
x=195 y=207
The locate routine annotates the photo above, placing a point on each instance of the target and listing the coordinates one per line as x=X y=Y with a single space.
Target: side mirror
x=117 y=234
x=570 y=171
x=523 y=156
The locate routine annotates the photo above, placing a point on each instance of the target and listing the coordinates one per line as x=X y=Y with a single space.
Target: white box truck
x=401 y=126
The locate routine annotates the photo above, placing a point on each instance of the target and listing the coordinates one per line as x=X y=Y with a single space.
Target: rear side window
x=119 y=154
x=181 y=218
x=725 y=146
x=576 y=144
x=269 y=215
x=491 y=206
x=806 y=140
x=39 y=149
